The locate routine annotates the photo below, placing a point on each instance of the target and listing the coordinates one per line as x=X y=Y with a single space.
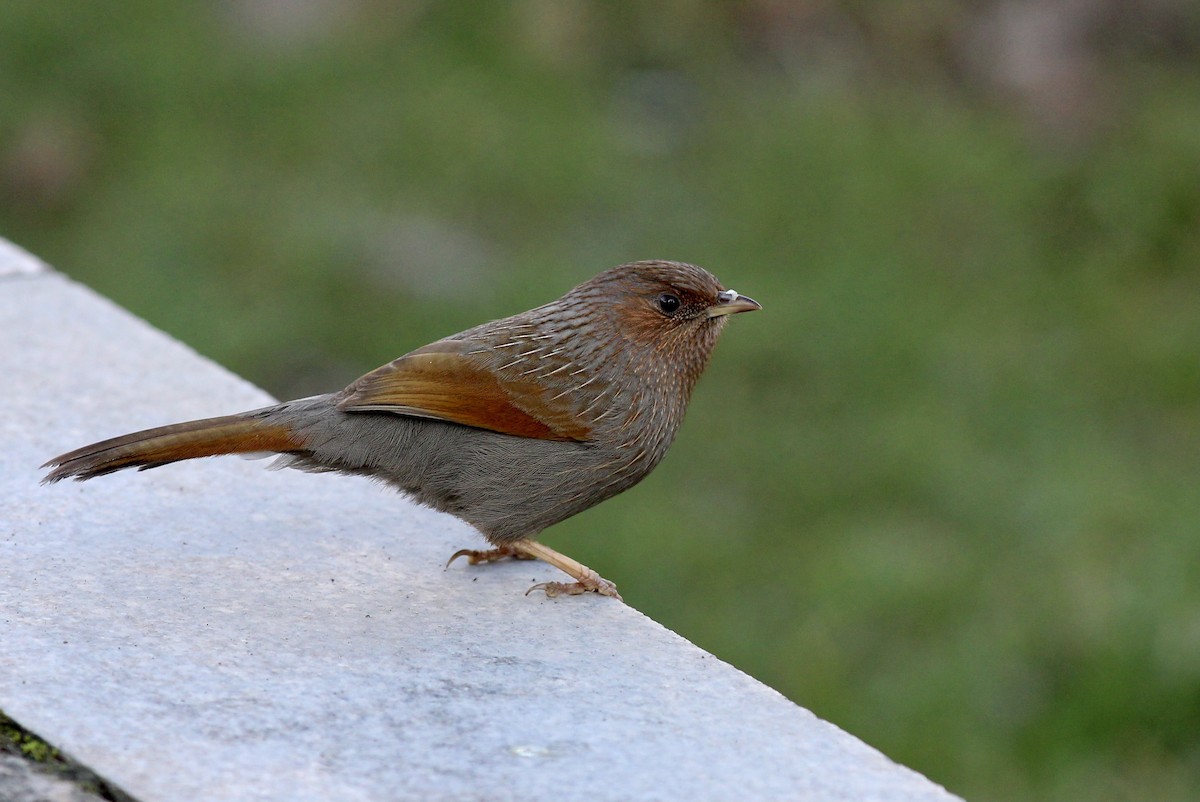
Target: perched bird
x=511 y=426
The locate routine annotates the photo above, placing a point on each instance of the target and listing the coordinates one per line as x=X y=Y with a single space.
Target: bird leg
x=477 y=556
x=586 y=580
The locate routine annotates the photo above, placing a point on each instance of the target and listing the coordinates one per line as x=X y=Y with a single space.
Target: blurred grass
x=943 y=490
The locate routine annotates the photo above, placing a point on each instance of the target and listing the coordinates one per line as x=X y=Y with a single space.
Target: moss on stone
x=15 y=738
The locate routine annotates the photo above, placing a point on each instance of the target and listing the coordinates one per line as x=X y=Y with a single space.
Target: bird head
x=671 y=311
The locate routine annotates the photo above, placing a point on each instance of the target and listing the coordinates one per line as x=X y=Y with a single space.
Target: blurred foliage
x=943 y=490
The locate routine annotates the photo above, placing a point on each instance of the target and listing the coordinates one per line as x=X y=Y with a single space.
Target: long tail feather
x=231 y=434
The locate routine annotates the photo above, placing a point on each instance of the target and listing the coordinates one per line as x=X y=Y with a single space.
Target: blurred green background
x=943 y=491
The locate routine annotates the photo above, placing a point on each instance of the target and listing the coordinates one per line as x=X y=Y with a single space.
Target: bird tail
x=231 y=434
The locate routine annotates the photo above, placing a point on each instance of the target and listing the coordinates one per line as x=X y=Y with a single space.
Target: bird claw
x=477 y=556
x=587 y=580
x=589 y=584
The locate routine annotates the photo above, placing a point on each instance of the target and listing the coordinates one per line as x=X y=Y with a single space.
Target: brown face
x=670 y=301
x=672 y=313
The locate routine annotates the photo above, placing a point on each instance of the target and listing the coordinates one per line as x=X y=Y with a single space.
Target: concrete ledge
x=14 y=261
x=215 y=631
x=23 y=781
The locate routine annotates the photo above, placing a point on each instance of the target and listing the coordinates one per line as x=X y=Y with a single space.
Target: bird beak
x=731 y=303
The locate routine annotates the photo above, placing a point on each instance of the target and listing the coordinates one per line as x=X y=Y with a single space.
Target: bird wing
x=451 y=380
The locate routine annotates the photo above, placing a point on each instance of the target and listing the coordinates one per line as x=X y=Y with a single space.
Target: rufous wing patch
x=444 y=382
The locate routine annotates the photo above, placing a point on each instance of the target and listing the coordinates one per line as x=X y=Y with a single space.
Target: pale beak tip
x=731 y=302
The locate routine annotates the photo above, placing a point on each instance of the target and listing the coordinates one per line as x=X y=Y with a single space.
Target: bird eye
x=669 y=303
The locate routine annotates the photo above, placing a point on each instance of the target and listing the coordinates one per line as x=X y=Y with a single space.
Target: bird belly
x=508 y=487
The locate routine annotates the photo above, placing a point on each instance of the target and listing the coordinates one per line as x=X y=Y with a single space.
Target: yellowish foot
x=477 y=556
x=586 y=580
x=586 y=585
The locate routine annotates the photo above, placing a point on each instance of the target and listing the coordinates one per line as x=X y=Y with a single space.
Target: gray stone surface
x=216 y=631
x=23 y=781
x=14 y=260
